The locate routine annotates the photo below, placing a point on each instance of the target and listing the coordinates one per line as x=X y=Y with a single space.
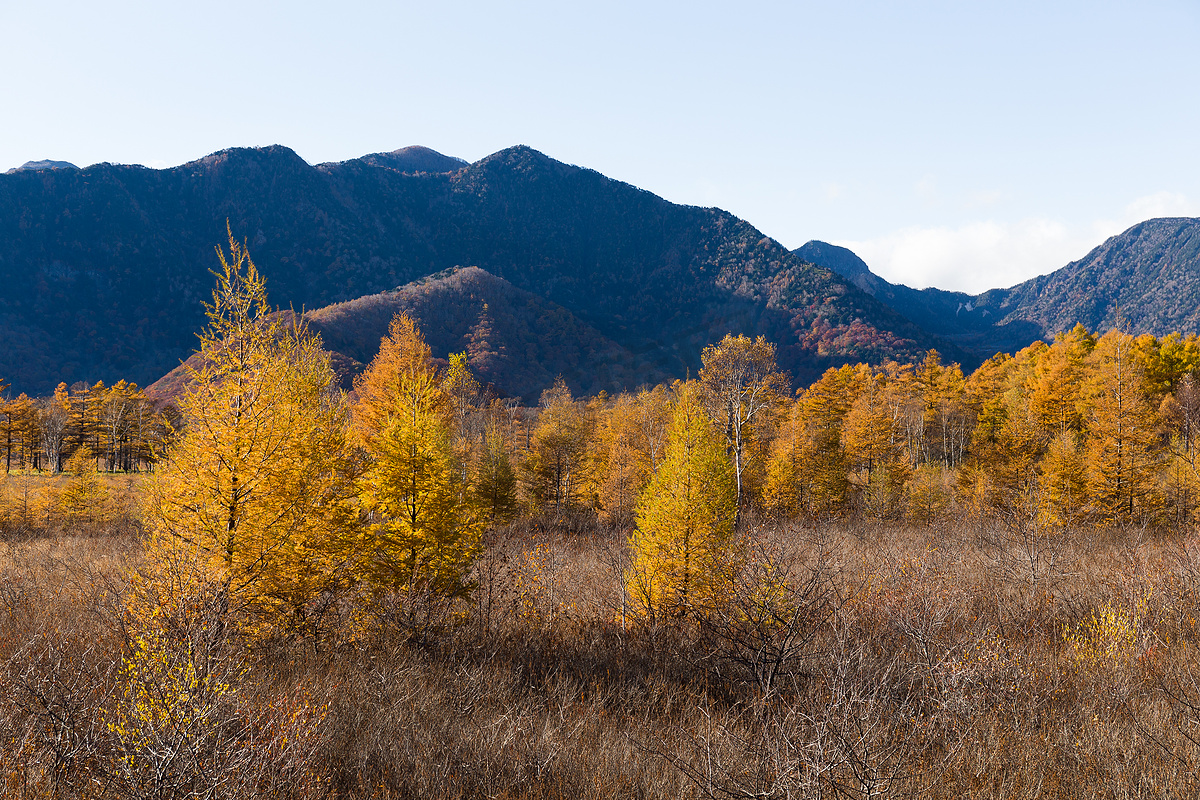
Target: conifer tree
x=870 y=431
x=556 y=466
x=251 y=505
x=622 y=465
x=1064 y=480
x=1056 y=393
x=1123 y=457
x=16 y=429
x=685 y=519
x=808 y=467
x=426 y=531
x=495 y=481
x=83 y=498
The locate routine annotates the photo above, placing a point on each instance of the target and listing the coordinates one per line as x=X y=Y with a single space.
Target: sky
x=964 y=145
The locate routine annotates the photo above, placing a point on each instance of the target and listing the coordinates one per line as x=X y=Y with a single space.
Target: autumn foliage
x=898 y=581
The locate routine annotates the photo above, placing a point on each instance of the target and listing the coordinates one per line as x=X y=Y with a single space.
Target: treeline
x=1089 y=428
x=118 y=426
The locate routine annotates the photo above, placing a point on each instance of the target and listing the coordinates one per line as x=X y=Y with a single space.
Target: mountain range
x=534 y=267
x=1148 y=274
x=105 y=268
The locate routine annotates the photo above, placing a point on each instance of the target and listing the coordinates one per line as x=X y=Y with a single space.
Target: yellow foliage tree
x=84 y=497
x=1123 y=453
x=426 y=533
x=251 y=504
x=1055 y=393
x=685 y=519
x=808 y=467
x=1064 y=480
x=495 y=481
x=402 y=353
x=741 y=382
x=556 y=467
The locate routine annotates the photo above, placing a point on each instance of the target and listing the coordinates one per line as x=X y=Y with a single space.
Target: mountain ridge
x=107 y=266
x=1150 y=272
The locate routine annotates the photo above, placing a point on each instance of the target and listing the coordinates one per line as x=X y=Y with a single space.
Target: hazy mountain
x=105 y=268
x=1151 y=272
x=33 y=166
x=416 y=159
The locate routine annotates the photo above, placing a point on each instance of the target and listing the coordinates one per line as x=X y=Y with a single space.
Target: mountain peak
x=33 y=166
x=416 y=158
x=273 y=152
x=841 y=260
x=523 y=158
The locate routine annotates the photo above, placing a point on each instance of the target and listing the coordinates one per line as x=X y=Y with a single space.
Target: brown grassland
x=951 y=659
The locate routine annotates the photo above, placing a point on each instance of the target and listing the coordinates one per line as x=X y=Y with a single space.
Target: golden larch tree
x=685 y=518
x=426 y=530
x=557 y=468
x=1122 y=454
x=252 y=502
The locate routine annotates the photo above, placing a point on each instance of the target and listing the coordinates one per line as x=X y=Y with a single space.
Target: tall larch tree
x=251 y=505
x=495 y=481
x=425 y=531
x=1056 y=388
x=1122 y=454
x=556 y=466
x=808 y=468
x=682 y=547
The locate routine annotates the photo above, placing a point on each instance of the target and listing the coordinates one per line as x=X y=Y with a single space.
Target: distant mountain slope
x=44 y=164
x=1151 y=271
x=953 y=316
x=515 y=340
x=105 y=268
x=844 y=262
x=415 y=159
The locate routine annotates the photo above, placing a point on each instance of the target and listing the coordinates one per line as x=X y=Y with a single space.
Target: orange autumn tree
x=1123 y=454
x=251 y=506
x=425 y=528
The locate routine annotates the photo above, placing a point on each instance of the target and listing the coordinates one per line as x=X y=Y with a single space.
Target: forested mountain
x=515 y=341
x=44 y=164
x=1151 y=272
x=104 y=269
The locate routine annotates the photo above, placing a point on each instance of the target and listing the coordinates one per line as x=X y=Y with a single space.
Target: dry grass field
x=853 y=660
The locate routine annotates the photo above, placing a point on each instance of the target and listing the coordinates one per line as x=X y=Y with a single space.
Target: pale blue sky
x=964 y=145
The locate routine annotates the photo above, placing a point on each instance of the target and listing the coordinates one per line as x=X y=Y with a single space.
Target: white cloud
x=988 y=254
x=1159 y=204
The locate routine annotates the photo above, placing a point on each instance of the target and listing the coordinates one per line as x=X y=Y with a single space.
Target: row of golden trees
x=1096 y=428
x=1090 y=428
x=119 y=425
